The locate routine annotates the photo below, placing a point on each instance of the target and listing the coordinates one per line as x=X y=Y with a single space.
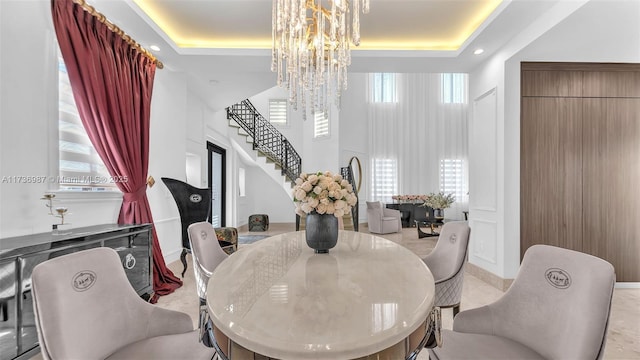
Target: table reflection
x=280 y=299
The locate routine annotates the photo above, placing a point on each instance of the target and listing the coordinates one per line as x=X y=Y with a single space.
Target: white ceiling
x=224 y=75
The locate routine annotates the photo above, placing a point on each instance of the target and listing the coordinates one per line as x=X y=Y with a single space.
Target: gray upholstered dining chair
x=382 y=220
x=207 y=255
x=85 y=308
x=447 y=261
x=558 y=307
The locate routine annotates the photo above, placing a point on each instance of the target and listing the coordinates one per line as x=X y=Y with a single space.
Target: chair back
x=85 y=307
x=558 y=304
x=450 y=253
x=207 y=254
x=374 y=210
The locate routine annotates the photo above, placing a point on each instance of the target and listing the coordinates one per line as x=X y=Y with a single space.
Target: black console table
x=19 y=255
x=412 y=212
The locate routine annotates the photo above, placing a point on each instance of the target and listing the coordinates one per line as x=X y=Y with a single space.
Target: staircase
x=271 y=144
x=265 y=139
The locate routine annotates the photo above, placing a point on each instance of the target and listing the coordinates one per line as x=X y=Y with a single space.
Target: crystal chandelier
x=310 y=51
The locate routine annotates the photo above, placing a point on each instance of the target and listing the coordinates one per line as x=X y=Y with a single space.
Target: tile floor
x=623 y=341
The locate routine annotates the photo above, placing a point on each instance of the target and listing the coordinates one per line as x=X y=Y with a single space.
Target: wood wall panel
x=590 y=140
x=551 y=172
x=611 y=166
x=551 y=83
x=611 y=84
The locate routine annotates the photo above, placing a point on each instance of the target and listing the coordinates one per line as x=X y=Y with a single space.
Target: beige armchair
x=382 y=220
x=557 y=308
x=85 y=308
x=446 y=262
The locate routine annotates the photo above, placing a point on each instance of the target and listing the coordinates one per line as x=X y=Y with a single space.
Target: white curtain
x=414 y=138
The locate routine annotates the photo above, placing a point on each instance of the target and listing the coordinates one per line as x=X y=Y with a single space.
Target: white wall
x=354 y=130
x=28 y=126
x=598 y=31
x=167 y=156
x=29 y=134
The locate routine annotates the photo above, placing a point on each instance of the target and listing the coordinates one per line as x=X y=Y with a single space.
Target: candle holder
x=59 y=212
x=49 y=198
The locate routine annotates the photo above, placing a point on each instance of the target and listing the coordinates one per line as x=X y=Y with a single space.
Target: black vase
x=321 y=231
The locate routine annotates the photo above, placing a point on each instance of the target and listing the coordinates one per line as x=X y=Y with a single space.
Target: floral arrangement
x=409 y=197
x=439 y=200
x=324 y=193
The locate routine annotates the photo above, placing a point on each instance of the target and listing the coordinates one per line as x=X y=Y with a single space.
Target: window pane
x=452 y=177
x=453 y=88
x=384 y=182
x=278 y=111
x=76 y=148
x=80 y=168
x=321 y=124
x=384 y=88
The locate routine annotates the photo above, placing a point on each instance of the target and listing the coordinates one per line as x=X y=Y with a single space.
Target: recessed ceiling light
x=154 y=47
x=478 y=51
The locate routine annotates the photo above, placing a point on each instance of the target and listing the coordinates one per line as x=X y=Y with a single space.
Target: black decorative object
x=412 y=212
x=321 y=231
x=194 y=205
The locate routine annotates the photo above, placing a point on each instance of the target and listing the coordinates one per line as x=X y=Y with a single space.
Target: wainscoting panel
x=483 y=147
x=484 y=237
x=169 y=232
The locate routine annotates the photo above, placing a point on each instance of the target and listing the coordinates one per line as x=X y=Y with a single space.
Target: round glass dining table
x=368 y=298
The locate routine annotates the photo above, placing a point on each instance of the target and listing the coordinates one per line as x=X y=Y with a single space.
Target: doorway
x=217 y=182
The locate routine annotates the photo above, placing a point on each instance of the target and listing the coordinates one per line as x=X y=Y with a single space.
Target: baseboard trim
x=628 y=285
x=488 y=277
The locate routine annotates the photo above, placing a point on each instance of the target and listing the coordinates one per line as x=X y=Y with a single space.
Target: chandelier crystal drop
x=311 y=48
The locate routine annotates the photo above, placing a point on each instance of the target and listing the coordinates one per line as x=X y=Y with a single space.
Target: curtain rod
x=103 y=19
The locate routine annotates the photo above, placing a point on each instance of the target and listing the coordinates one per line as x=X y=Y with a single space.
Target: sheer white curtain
x=418 y=144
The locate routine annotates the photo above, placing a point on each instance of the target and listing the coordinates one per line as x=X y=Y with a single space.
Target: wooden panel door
x=611 y=181
x=551 y=172
x=551 y=83
x=616 y=84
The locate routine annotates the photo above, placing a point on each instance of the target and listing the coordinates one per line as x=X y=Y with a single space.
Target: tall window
x=384 y=179
x=453 y=88
x=320 y=124
x=384 y=88
x=80 y=167
x=452 y=177
x=278 y=111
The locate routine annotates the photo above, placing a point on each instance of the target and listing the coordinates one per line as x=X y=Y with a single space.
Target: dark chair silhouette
x=194 y=205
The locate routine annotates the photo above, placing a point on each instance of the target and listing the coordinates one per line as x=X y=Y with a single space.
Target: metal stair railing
x=266 y=138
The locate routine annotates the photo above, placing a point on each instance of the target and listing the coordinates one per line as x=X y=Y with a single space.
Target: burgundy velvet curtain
x=112 y=84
